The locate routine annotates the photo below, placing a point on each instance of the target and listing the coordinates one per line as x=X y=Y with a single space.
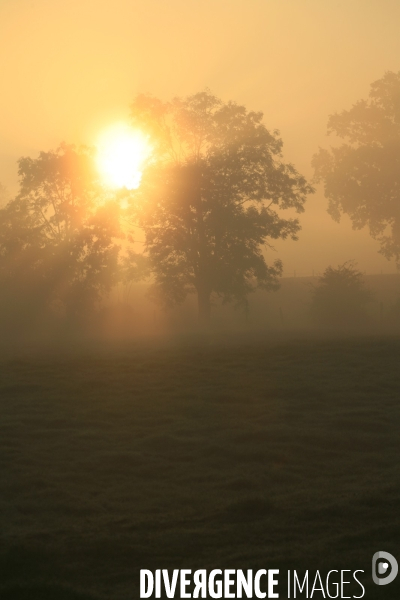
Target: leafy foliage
x=362 y=176
x=210 y=201
x=340 y=298
x=57 y=236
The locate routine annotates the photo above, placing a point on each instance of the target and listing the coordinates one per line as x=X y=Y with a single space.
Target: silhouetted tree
x=57 y=243
x=362 y=176
x=211 y=199
x=340 y=297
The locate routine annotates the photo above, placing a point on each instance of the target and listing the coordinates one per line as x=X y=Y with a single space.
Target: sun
x=121 y=153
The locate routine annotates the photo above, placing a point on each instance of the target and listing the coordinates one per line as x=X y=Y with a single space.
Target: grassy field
x=231 y=453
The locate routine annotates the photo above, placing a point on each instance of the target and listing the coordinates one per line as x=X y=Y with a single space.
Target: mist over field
x=199 y=295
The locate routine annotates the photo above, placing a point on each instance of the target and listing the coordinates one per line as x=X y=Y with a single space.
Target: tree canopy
x=362 y=176
x=211 y=199
x=57 y=236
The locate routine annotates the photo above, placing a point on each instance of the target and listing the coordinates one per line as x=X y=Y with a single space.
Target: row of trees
x=210 y=204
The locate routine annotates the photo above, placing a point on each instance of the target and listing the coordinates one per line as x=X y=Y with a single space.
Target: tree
x=57 y=236
x=340 y=298
x=4 y=195
x=210 y=200
x=362 y=176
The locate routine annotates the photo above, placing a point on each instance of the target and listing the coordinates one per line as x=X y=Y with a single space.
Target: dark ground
x=229 y=453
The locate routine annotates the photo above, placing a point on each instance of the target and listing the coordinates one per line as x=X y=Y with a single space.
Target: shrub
x=340 y=298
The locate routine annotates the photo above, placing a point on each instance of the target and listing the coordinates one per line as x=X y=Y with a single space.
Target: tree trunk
x=202 y=267
x=204 y=305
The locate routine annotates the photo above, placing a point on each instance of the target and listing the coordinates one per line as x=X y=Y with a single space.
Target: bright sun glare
x=121 y=152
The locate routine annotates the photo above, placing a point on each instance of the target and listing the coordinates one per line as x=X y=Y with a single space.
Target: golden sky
x=70 y=68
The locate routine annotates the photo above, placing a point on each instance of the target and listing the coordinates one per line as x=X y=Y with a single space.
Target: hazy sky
x=70 y=68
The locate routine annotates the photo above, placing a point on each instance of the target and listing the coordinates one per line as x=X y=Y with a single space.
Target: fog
x=71 y=69
x=199 y=296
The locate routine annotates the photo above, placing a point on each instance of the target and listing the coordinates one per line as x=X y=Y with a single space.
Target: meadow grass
x=217 y=453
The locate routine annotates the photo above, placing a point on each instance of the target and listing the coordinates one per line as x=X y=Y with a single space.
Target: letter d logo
x=383 y=567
